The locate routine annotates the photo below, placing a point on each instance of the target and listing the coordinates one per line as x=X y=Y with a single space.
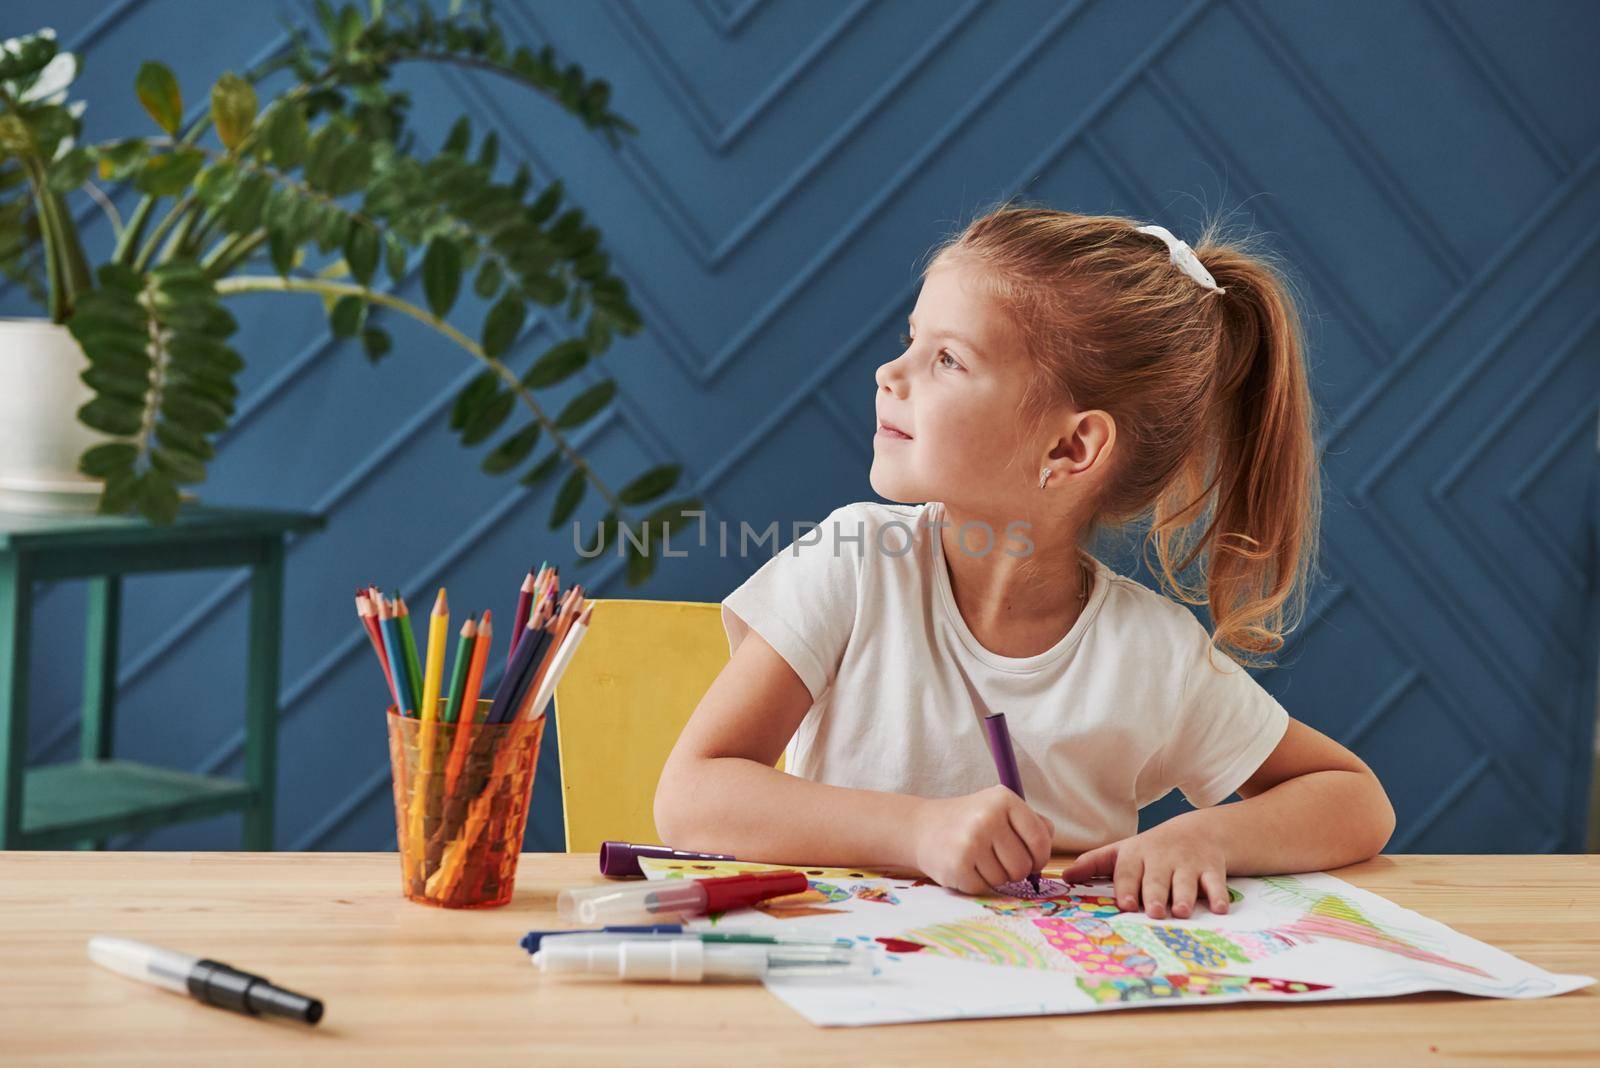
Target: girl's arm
x=719 y=792
x=1312 y=805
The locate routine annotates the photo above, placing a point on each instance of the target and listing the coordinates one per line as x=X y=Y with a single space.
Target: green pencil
x=409 y=642
x=458 y=674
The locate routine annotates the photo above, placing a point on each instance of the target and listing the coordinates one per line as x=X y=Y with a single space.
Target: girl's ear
x=1088 y=441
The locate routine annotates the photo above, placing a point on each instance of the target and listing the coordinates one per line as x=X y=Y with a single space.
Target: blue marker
x=530 y=941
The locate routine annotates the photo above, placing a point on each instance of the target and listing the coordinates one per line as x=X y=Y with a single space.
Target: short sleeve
x=803 y=600
x=1227 y=726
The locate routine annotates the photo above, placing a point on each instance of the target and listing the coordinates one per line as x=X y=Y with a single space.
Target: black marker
x=206 y=980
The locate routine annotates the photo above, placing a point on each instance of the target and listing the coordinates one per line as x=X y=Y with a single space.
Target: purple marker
x=621 y=859
x=1005 y=762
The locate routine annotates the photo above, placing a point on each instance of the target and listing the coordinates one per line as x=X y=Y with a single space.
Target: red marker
x=613 y=904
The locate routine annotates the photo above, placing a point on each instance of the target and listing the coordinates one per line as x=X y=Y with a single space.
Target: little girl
x=1061 y=373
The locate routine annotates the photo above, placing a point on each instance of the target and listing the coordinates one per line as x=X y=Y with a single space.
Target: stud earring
x=1044 y=476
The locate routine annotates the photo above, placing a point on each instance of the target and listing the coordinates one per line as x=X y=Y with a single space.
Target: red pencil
x=369 y=620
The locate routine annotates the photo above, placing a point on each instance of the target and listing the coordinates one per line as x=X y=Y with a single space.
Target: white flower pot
x=40 y=436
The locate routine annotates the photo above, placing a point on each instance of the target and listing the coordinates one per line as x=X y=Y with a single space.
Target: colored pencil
x=408 y=644
x=369 y=622
x=546 y=638
x=512 y=681
x=524 y=606
x=391 y=644
x=571 y=605
x=563 y=657
x=469 y=702
x=480 y=663
x=458 y=673
x=438 y=636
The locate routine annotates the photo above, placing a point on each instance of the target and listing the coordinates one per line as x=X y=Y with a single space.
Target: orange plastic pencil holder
x=461 y=795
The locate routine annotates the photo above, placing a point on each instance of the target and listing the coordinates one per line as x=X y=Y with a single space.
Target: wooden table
x=406 y=983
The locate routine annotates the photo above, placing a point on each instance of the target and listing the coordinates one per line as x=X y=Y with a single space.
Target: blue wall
x=1428 y=167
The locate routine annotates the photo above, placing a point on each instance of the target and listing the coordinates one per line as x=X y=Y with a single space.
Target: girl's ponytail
x=1261 y=527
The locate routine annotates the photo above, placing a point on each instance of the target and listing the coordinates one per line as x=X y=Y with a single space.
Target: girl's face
x=947 y=406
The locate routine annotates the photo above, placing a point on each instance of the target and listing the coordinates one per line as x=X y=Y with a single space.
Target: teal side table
x=64 y=805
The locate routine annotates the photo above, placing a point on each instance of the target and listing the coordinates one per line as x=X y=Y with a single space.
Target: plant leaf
x=282 y=247
x=179 y=439
x=560 y=362
x=512 y=451
x=489 y=279
x=71 y=171
x=113 y=416
x=180 y=467
x=361 y=251
x=233 y=109
x=488 y=418
x=568 y=497
x=441 y=274
x=25 y=56
x=157 y=497
x=459 y=137
x=101 y=460
x=242 y=213
x=169 y=173
x=286 y=134
x=586 y=405
x=394 y=257
x=650 y=485
x=543 y=469
x=377 y=342
x=118 y=495
x=349 y=312
x=158 y=92
x=472 y=397
x=503 y=324
x=321 y=151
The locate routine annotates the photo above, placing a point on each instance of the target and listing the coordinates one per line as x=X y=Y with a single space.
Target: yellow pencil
x=438 y=638
x=425 y=791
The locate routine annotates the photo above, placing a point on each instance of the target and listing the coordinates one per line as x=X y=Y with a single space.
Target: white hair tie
x=1182 y=255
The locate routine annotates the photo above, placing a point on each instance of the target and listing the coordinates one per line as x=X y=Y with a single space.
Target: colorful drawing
x=1110 y=991
x=1064 y=904
x=867 y=892
x=1071 y=949
x=988 y=941
x=1079 y=920
x=1334 y=917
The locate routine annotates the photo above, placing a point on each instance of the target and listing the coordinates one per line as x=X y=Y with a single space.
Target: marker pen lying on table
x=619 y=860
x=205 y=980
x=649 y=933
x=688 y=960
x=605 y=904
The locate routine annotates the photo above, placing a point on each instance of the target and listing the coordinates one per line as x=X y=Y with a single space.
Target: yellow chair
x=641 y=670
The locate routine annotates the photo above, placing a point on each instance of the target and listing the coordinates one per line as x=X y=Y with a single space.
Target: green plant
x=279 y=181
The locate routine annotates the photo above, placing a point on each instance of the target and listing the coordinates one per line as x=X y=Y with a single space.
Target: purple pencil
x=1005 y=762
x=524 y=606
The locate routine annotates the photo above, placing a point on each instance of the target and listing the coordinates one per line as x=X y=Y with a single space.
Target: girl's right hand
x=981 y=840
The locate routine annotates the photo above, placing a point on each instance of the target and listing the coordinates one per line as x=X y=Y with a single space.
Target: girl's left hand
x=1175 y=861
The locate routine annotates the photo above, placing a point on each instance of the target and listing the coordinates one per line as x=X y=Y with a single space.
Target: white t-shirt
x=1125 y=707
